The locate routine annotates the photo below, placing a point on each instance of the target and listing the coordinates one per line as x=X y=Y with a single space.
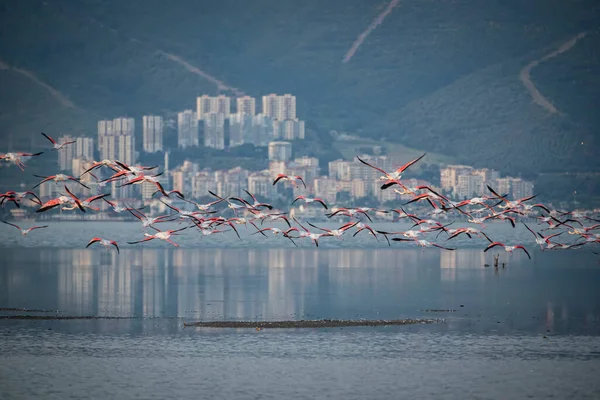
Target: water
x=529 y=330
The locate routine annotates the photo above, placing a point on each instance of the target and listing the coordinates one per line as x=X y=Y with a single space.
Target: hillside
x=437 y=76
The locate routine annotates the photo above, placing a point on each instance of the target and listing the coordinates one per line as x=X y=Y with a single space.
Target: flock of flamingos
x=477 y=211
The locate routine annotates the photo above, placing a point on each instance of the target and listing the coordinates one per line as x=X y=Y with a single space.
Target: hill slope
x=440 y=76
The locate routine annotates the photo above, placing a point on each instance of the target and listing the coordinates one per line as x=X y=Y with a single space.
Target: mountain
x=443 y=77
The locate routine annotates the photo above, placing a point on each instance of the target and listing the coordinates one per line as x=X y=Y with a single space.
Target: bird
x=24 y=232
x=509 y=249
x=392 y=178
x=16 y=158
x=103 y=242
x=309 y=200
x=290 y=178
x=162 y=235
x=70 y=199
x=57 y=146
x=58 y=178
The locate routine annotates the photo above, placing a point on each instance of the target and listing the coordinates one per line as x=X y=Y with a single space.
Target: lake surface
x=528 y=330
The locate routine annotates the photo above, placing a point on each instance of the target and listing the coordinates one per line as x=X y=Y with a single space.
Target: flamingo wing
x=143 y=240
x=94 y=240
x=524 y=249
x=408 y=164
x=16 y=226
x=372 y=166
x=492 y=245
x=49 y=138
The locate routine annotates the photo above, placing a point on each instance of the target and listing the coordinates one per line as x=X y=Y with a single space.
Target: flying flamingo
x=147 y=222
x=541 y=240
x=290 y=178
x=276 y=232
x=422 y=243
x=337 y=232
x=71 y=199
x=17 y=196
x=87 y=202
x=24 y=232
x=170 y=192
x=56 y=145
x=205 y=208
x=509 y=249
x=103 y=242
x=117 y=208
x=162 y=235
x=257 y=204
x=309 y=200
x=146 y=178
x=508 y=203
x=58 y=178
x=306 y=233
x=16 y=158
x=392 y=178
x=104 y=163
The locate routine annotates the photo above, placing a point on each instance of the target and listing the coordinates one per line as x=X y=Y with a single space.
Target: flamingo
x=170 y=192
x=86 y=203
x=392 y=178
x=541 y=239
x=510 y=204
x=146 y=178
x=467 y=231
x=276 y=232
x=309 y=200
x=290 y=178
x=349 y=212
x=337 y=232
x=307 y=234
x=16 y=158
x=205 y=208
x=71 y=199
x=148 y=222
x=57 y=146
x=422 y=243
x=362 y=227
x=58 y=178
x=17 y=196
x=508 y=249
x=104 y=163
x=257 y=204
x=103 y=242
x=24 y=232
x=162 y=235
x=117 y=208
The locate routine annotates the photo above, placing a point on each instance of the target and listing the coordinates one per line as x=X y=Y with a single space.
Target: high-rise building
x=280 y=151
x=206 y=104
x=279 y=107
x=288 y=129
x=449 y=175
x=240 y=129
x=116 y=140
x=214 y=130
x=187 y=129
x=262 y=129
x=66 y=154
x=261 y=183
x=153 y=133
x=246 y=105
x=340 y=170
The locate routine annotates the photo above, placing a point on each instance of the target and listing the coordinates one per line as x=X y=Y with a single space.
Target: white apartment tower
x=116 y=140
x=206 y=104
x=280 y=151
x=187 y=129
x=279 y=107
x=240 y=129
x=214 y=130
x=153 y=133
x=246 y=105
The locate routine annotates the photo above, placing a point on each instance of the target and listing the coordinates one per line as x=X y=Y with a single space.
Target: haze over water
x=530 y=329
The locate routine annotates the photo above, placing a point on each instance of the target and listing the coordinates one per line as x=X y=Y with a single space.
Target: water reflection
x=279 y=283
